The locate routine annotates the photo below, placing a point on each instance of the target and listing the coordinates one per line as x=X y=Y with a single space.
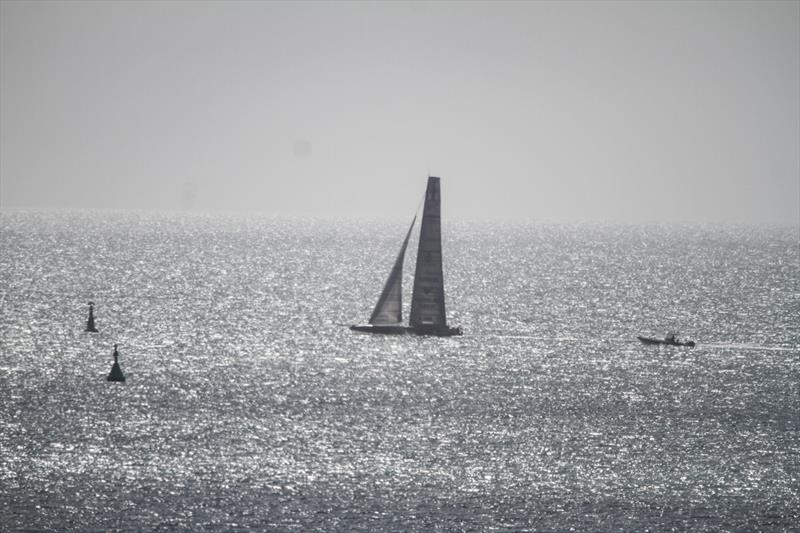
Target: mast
x=427 y=301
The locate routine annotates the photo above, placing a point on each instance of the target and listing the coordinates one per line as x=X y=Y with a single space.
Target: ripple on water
x=249 y=407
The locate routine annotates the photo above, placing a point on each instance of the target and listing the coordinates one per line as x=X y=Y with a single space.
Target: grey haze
x=566 y=111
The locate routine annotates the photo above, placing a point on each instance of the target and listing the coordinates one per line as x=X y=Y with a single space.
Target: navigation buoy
x=90 y=323
x=116 y=371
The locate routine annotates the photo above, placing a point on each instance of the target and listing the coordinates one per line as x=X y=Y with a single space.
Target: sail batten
x=389 y=309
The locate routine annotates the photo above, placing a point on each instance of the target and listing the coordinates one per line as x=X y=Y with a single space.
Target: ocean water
x=249 y=406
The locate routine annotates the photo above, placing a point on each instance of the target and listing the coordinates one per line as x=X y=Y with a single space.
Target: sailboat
x=428 y=315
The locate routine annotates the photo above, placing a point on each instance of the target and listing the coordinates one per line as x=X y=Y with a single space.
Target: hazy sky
x=565 y=111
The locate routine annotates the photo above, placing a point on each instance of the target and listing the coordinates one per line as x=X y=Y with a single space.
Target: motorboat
x=670 y=340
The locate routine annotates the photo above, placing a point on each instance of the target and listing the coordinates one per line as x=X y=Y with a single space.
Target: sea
x=249 y=405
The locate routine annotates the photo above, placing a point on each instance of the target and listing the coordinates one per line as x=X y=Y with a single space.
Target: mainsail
x=427 y=301
x=389 y=309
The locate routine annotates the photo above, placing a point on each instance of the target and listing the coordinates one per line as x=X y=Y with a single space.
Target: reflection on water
x=249 y=407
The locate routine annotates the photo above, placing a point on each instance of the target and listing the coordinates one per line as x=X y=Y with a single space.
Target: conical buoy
x=90 y=323
x=116 y=371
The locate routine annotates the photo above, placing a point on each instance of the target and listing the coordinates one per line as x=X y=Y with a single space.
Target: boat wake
x=703 y=345
x=753 y=347
x=523 y=336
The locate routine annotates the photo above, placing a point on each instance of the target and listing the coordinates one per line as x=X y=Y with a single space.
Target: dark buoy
x=116 y=371
x=90 y=323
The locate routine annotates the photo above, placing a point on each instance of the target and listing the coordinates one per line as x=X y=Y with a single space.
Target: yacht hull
x=402 y=330
x=384 y=330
